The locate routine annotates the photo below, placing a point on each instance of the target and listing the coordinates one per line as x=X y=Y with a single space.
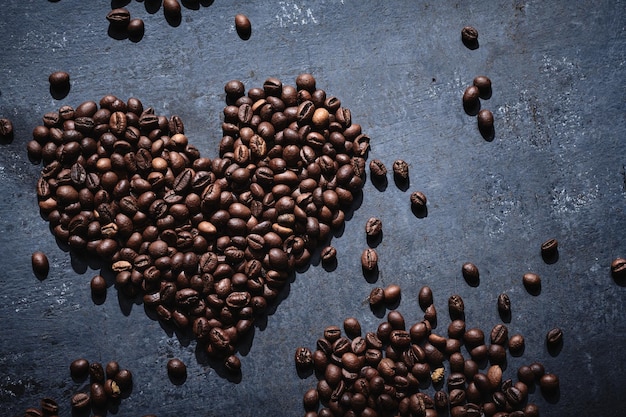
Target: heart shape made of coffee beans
x=208 y=243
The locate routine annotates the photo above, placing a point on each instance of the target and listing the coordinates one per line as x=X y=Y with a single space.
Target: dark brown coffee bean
x=532 y=283
x=504 y=305
x=483 y=84
x=232 y=364
x=377 y=168
x=430 y=315
x=49 y=406
x=392 y=293
x=377 y=296
x=554 y=338
x=243 y=26
x=456 y=329
x=303 y=358
x=474 y=337
x=40 y=264
x=516 y=344
x=80 y=401
x=136 y=29
x=111 y=389
x=97 y=395
x=352 y=327
x=456 y=307
x=111 y=369
x=373 y=227
x=124 y=379
x=470 y=273
x=418 y=200
x=59 y=80
x=469 y=36
x=79 y=369
x=98 y=285
x=537 y=369
x=6 y=129
x=401 y=170
x=96 y=372
x=119 y=17
x=369 y=260
x=485 y=120
x=171 y=8
x=176 y=369
x=618 y=268
x=531 y=410
x=425 y=297
x=471 y=101
x=33 y=412
x=328 y=254
x=499 y=334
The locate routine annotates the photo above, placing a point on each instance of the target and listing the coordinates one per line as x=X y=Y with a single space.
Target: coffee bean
x=474 y=337
x=549 y=247
x=232 y=364
x=549 y=384
x=96 y=372
x=59 y=80
x=377 y=168
x=392 y=293
x=176 y=369
x=618 y=268
x=504 y=305
x=369 y=260
x=470 y=273
x=483 y=84
x=49 y=406
x=80 y=401
x=135 y=29
x=124 y=379
x=352 y=327
x=373 y=227
x=499 y=334
x=303 y=358
x=118 y=17
x=33 y=412
x=243 y=26
x=97 y=395
x=79 y=369
x=471 y=101
x=516 y=344
x=98 y=285
x=171 y=9
x=456 y=307
x=401 y=170
x=40 y=264
x=6 y=129
x=554 y=338
x=537 y=369
x=469 y=36
x=111 y=389
x=418 y=200
x=532 y=282
x=377 y=296
x=328 y=254
x=111 y=369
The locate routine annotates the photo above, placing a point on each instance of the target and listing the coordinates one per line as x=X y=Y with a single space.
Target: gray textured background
x=555 y=169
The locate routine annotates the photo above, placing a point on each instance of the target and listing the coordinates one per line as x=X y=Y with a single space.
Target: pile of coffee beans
x=208 y=243
x=386 y=372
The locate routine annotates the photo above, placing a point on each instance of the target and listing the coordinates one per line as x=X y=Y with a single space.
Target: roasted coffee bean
x=328 y=254
x=97 y=395
x=98 y=285
x=456 y=307
x=474 y=337
x=79 y=369
x=425 y=297
x=352 y=327
x=418 y=200
x=40 y=264
x=49 y=406
x=401 y=170
x=303 y=358
x=499 y=334
x=373 y=227
x=456 y=329
x=96 y=372
x=532 y=283
x=377 y=296
x=554 y=338
x=516 y=344
x=232 y=364
x=483 y=84
x=6 y=129
x=431 y=315
x=176 y=369
x=59 y=80
x=80 y=401
x=135 y=29
x=377 y=168
x=471 y=101
x=470 y=273
x=504 y=305
x=111 y=369
x=485 y=120
x=111 y=389
x=469 y=36
x=171 y=8
x=124 y=379
x=243 y=26
x=119 y=17
x=392 y=293
x=369 y=260
x=618 y=268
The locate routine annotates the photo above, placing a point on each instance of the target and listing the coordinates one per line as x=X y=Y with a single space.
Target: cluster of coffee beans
x=207 y=243
x=385 y=373
x=480 y=89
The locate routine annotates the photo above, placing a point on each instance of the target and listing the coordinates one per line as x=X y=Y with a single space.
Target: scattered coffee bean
x=40 y=264
x=392 y=293
x=176 y=369
x=119 y=17
x=485 y=120
x=516 y=344
x=171 y=8
x=369 y=260
x=499 y=335
x=80 y=401
x=328 y=254
x=352 y=327
x=377 y=169
x=401 y=170
x=135 y=29
x=98 y=285
x=425 y=297
x=456 y=307
x=79 y=369
x=6 y=130
x=554 y=338
x=59 y=80
x=469 y=36
x=483 y=84
x=243 y=26
x=471 y=101
x=470 y=273
x=49 y=406
x=303 y=358
x=504 y=305
x=618 y=268
x=96 y=372
x=373 y=227
x=549 y=384
x=418 y=200
x=376 y=297
x=549 y=247
x=532 y=283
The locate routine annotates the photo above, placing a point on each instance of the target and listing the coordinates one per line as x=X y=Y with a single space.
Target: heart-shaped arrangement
x=207 y=243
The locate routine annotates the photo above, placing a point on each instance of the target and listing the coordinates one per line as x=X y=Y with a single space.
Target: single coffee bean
x=499 y=334
x=618 y=268
x=49 y=406
x=525 y=374
x=377 y=168
x=549 y=247
x=98 y=285
x=494 y=376
x=80 y=401
x=537 y=369
x=549 y=384
x=232 y=364
x=456 y=307
x=418 y=200
x=470 y=273
x=392 y=293
x=98 y=395
x=118 y=17
x=171 y=8
x=483 y=84
x=111 y=369
x=471 y=101
x=532 y=282
x=373 y=227
x=124 y=379
x=33 y=412
x=40 y=264
x=59 y=80
x=328 y=254
x=303 y=358
x=369 y=260
x=554 y=338
x=6 y=129
x=135 y=28
x=425 y=297
x=474 y=337
x=377 y=296
x=531 y=410
x=96 y=372
x=352 y=327
x=485 y=120
x=79 y=369
x=504 y=305
x=469 y=36
x=516 y=345
x=176 y=369
x=243 y=26
x=111 y=389
x=401 y=170
x=430 y=315
x=332 y=333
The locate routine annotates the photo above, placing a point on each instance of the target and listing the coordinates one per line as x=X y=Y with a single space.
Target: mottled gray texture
x=555 y=169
